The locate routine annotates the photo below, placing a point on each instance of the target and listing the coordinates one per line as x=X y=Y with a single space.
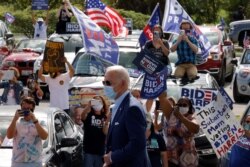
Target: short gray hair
x=121 y=72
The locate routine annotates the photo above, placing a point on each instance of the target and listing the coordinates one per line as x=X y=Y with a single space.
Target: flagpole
x=156 y=6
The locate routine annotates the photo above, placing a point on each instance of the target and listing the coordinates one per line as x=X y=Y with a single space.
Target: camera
x=182 y=32
x=24 y=112
x=157 y=34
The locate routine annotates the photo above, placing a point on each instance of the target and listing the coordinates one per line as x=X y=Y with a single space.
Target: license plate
x=26 y=72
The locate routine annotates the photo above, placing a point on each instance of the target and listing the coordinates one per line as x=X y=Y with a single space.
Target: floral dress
x=180 y=142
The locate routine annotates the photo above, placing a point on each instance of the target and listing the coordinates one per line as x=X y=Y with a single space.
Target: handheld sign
x=147 y=62
x=219 y=125
x=53 y=55
x=40 y=4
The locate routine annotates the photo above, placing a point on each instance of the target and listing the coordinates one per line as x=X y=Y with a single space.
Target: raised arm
x=33 y=18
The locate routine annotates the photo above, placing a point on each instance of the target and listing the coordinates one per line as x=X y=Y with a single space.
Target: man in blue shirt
x=186 y=47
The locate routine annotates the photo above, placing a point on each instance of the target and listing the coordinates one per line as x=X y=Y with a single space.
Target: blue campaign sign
x=40 y=4
x=148 y=62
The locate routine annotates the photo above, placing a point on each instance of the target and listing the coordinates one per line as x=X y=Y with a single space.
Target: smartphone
x=8 y=74
x=156 y=34
x=157 y=105
x=182 y=32
x=24 y=112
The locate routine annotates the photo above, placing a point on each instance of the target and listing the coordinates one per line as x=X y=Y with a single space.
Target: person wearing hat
x=186 y=46
x=40 y=26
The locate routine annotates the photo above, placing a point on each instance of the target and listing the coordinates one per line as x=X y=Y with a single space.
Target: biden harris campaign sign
x=219 y=125
x=96 y=39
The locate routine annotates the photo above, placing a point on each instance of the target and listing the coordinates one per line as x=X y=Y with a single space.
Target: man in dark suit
x=126 y=141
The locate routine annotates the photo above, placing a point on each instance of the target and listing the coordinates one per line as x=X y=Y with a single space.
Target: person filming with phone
x=158 y=46
x=27 y=134
x=186 y=46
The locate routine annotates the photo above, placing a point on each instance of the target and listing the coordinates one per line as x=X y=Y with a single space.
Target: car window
x=213 y=37
x=71 y=43
x=67 y=125
x=32 y=44
x=126 y=59
x=58 y=129
x=88 y=64
x=246 y=59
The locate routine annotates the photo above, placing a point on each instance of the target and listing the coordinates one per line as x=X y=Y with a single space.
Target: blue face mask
x=247 y=126
x=40 y=23
x=109 y=92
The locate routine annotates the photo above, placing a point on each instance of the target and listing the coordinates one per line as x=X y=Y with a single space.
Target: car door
x=65 y=128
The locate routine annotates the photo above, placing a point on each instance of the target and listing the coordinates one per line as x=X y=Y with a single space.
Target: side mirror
x=9 y=35
x=234 y=62
x=68 y=142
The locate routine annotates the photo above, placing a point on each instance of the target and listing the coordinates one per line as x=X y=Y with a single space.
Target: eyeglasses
x=183 y=105
x=106 y=83
x=248 y=122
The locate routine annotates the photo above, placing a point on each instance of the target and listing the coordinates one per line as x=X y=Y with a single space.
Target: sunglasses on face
x=106 y=83
x=183 y=105
x=248 y=122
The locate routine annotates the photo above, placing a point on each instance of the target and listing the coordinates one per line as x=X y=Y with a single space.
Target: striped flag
x=105 y=16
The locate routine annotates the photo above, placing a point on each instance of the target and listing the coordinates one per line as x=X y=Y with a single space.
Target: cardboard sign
x=53 y=56
x=40 y=4
x=148 y=62
x=7 y=75
x=219 y=125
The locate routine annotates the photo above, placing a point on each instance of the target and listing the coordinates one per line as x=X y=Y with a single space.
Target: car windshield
x=31 y=44
x=71 y=43
x=86 y=64
x=8 y=143
x=246 y=58
x=213 y=37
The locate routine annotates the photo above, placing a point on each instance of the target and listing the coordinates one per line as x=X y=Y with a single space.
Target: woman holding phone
x=95 y=118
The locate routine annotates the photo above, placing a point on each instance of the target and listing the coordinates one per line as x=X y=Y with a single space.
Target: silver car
x=241 y=79
x=64 y=144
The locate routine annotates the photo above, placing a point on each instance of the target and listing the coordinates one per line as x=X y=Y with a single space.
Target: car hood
x=5 y=158
x=23 y=56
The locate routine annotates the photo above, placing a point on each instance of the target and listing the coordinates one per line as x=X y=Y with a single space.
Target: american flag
x=105 y=16
x=246 y=40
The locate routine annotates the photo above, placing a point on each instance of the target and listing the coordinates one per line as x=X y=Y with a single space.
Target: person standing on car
x=94 y=117
x=40 y=26
x=186 y=46
x=64 y=15
x=158 y=46
x=11 y=88
x=126 y=140
x=240 y=152
x=179 y=129
x=58 y=84
x=27 y=134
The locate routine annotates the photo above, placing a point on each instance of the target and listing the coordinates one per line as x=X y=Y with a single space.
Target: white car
x=241 y=79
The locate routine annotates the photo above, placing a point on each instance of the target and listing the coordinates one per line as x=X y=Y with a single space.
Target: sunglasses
x=183 y=105
x=248 y=122
x=106 y=83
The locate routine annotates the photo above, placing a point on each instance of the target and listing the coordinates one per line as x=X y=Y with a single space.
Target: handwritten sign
x=40 y=4
x=52 y=59
x=220 y=125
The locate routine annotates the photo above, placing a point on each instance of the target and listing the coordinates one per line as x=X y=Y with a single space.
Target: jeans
x=92 y=160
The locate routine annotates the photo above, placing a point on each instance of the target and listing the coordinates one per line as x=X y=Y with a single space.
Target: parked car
x=23 y=57
x=241 y=79
x=237 y=31
x=64 y=144
x=72 y=43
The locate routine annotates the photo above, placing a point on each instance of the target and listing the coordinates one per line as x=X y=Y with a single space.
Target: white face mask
x=183 y=110
x=97 y=106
